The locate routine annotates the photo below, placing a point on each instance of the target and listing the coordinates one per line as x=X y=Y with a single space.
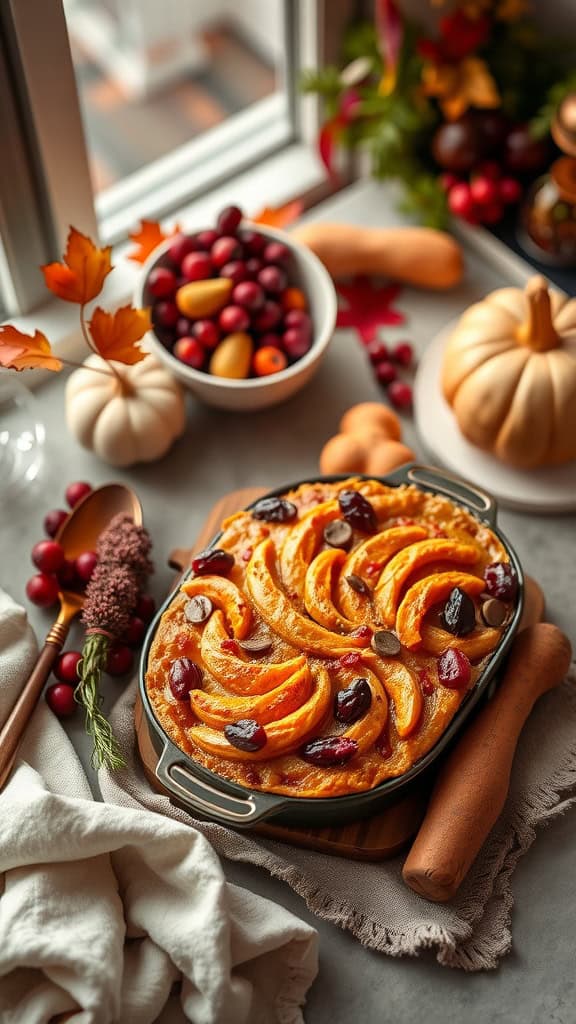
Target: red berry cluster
x=482 y=199
x=262 y=302
x=385 y=362
x=57 y=573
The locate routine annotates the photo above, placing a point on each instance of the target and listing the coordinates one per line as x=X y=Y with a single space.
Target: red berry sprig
x=386 y=363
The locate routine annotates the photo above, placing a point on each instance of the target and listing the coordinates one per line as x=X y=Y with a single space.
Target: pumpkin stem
x=537 y=331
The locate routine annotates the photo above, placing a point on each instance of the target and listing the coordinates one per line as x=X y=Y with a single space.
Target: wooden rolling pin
x=422 y=257
x=473 y=783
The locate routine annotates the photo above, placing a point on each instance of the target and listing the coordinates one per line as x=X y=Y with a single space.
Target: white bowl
x=306 y=272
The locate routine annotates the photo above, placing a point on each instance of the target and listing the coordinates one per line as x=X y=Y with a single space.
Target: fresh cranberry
x=299 y=319
x=403 y=354
x=377 y=351
x=253 y=267
x=454 y=669
x=296 y=342
x=53 y=520
x=483 y=190
x=120 y=660
x=267 y=317
x=165 y=313
x=161 y=282
x=66 y=667
x=448 y=180
x=42 y=590
x=272 y=278
x=180 y=246
x=183 y=327
x=233 y=318
x=358 y=511
x=509 y=190
x=60 y=700
x=460 y=200
x=385 y=372
x=206 y=332
x=269 y=340
x=206 y=239
x=276 y=252
x=350 y=704
x=85 y=564
x=225 y=249
x=76 y=491
x=145 y=607
x=48 y=555
x=329 y=750
x=212 y=560
x=248 y=294
x=246 y=734
x=229 y=220
x=197 y=266
x=235 y=270
x=400 y=394
x=492 y=213
x=501 y=581
x=134 y=635
x=254 y=242
x=184 y=675
x=190 y=351
x=67 y=576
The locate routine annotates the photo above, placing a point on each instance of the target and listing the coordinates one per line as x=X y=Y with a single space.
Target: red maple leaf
x=369 y=307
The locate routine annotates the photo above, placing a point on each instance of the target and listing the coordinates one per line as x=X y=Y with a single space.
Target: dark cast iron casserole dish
x=205 y=794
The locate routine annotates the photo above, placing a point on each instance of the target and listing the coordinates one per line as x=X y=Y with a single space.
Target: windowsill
x=285 y=176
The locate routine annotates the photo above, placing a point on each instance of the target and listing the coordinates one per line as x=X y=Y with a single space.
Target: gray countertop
x=222 y=451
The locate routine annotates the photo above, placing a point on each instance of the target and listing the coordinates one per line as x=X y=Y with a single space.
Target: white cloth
x=104 y=908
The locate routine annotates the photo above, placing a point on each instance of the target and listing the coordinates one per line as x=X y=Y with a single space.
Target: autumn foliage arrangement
x=79 y=279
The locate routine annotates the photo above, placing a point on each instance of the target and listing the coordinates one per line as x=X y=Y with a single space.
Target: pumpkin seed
x=358 y=584
x=198 y=609
x=338 y=534
x=493 y=612
x=260 y=644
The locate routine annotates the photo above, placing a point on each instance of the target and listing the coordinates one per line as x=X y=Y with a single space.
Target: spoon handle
x=13 y=729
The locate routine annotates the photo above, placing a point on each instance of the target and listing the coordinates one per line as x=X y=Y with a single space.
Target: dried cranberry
x=358 y=511
x=329 y=750
x=351 y=703
x=454 y=669
x=212 y=560
x=426 y=684
x=246 y=734
x=184 y=675
x=350 y=659
x=274 y=510
x=459 y=615
x=501 y=581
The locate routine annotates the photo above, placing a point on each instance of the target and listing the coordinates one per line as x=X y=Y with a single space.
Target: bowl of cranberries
x=241 y=314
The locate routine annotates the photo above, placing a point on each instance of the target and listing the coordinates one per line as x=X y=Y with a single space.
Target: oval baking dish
x=206 y=794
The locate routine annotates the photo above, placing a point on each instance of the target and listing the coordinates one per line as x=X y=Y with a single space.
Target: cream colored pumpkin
x=509 y=373
x=132 y=417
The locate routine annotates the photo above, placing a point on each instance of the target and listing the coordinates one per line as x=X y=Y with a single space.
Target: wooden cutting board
x=373 y=838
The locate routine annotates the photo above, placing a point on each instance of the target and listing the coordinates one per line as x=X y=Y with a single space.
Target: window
x=118 y=110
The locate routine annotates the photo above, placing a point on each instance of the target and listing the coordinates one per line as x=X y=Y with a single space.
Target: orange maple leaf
x=115 y=335
x=460 y=86
x=149 y=236
x=81 y=276
x=279 y=216
x=20 y=351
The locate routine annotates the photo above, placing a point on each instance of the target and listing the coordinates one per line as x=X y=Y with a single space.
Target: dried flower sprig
x=123 y=567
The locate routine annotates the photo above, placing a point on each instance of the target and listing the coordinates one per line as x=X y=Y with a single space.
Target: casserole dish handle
x=443 y=482
x=227 y=806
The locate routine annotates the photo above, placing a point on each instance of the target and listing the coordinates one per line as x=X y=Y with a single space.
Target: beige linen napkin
x=370 y=900
x=103 y=908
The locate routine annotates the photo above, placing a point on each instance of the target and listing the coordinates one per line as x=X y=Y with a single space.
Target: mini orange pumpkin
x=509 y=374
x=368 y=442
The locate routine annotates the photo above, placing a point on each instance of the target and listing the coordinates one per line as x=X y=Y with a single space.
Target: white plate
x=550 y=490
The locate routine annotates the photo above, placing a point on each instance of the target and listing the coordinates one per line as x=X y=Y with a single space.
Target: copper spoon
x=78 y=533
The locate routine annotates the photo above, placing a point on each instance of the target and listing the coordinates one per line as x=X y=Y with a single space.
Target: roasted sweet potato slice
x=225 y=595
x=407 y=561
x=402 y=687
x=302 y=543
x=421 y=597
x=241 y=675
x=374 y=552
x=282 y=736
x=319 y=589
x=278 y=611
x=475 y=645
x=368 y=728
x=218 y=710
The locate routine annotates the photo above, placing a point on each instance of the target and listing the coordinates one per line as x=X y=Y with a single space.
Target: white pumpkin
x=129 y=418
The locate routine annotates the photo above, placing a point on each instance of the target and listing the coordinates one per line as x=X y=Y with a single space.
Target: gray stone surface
x=221 y=451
